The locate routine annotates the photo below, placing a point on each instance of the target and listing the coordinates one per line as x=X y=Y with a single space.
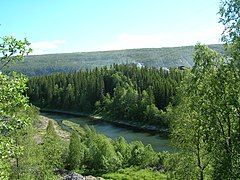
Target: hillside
x=152 y=57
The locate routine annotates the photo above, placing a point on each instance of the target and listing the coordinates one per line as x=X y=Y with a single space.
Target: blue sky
x=54 y=26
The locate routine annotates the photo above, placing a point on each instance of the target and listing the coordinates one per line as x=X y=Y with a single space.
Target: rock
x=93 y=178
x=73 y=176
x=90 y=178
x=69 y=175
x=100 y=178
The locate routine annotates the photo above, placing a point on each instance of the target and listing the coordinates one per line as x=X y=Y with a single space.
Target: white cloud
x=130 y=41
x=209 y=35
x=44 y=47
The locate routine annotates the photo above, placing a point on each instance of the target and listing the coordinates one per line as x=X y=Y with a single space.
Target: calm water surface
x=113 y=131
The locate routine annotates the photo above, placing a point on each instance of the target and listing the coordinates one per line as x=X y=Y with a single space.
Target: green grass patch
x=135 y=174
x=73 y=126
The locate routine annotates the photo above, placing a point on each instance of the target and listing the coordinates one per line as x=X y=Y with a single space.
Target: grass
x=135 y=174
x=73 y=126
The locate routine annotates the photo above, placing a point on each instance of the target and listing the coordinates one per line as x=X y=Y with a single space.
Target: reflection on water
x=113 y=131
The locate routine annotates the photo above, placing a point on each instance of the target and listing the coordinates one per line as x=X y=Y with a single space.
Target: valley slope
x=35 y=65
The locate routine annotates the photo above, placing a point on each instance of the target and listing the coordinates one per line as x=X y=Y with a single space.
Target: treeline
x=126 y=92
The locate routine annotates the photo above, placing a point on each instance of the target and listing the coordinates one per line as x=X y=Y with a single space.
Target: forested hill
x=121 y=92
x=152 y=57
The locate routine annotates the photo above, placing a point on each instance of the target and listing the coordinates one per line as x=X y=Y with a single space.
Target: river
x=113 y=131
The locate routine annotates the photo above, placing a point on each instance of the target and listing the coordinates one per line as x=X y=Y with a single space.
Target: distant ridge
x=35 y=65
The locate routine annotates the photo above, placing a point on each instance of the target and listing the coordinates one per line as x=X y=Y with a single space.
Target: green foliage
x=207 y=122
x=230 y=18
x=13 y=104
x=143 y=156
x=100 y=153
x=24 y=161
x=206 y=125
x=130 y=105
x=52 y=148
x=76 y=152
x=124 y=150
x=122 y=91
x=75 y=127
x=180 y=166
x=50 y=130
x=13 y=50
x=20 y=156
x=13 y=101
x=135 y=174
x=30 y=164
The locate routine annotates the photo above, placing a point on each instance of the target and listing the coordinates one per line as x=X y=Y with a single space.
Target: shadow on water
x=113 y=131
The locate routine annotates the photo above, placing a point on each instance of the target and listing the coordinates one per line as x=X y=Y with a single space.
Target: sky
x=59 y=26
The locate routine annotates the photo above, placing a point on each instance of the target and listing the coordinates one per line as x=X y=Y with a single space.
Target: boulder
x=73 y=176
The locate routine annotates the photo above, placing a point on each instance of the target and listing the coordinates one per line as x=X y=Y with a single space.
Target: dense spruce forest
x=123 y=92
x=35 y=65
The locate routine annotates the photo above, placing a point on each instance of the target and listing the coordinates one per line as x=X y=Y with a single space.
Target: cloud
x=210 y=35
x=130 y=41
x=45 y=47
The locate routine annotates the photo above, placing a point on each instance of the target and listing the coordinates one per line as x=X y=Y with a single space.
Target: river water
x=113 y=131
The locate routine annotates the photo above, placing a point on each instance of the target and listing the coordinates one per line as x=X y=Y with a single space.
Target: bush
x=76 y=152
x=143 y=156
x=100 y=154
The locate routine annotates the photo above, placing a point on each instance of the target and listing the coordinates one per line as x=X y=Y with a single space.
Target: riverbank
x=132 y=125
